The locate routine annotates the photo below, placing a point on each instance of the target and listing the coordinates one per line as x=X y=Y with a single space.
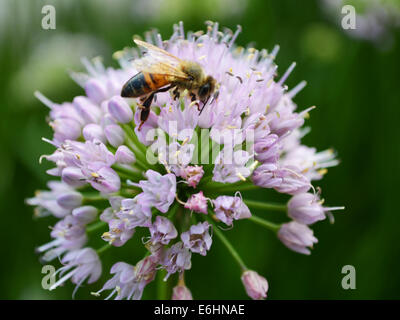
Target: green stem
x=161 y=285
x=88 y=199
x=173 y=211
x=103 y=248
x=95 y=226
x=238 y=186
x=265 y=223
x=227 y=244
x=265 y=205
x=130 y=174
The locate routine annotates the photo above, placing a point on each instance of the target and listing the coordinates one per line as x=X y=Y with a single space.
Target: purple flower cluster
x=112 y=178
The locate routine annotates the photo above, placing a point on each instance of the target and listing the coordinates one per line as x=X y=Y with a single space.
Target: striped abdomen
x=142 y=84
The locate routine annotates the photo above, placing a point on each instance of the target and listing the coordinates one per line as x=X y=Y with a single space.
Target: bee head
x=206 y=89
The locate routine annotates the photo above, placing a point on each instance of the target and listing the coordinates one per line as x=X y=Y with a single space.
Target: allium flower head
x=114 y=172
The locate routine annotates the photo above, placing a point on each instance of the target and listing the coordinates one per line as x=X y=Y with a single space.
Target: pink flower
x=181 y=292
x=297 y=237
x=229 y=208
x=198 y=238
x=256 y=286
x=197 y=202
x=192 y=174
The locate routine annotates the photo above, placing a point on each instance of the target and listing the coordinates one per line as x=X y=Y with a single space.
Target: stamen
x=292 y=93
x=287 y=73
x=63 y=279
x=241 y=177
x=179 y=200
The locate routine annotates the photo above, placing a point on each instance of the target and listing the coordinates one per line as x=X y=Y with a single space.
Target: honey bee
x=160 y=71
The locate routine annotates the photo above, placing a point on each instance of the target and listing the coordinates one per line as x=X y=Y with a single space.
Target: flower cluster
x=182 y=175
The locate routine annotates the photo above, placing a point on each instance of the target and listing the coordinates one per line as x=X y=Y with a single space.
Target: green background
x=353 y=83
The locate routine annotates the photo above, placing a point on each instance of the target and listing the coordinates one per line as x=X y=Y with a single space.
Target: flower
x=124 y=155
x=162 y=231
x=120 y=110
x=374 y=19
x=129 y=281
x=197 y=238
x=135 y=212
x=177 y=259
x=46 y=201
x=192 y=174
x=147 y=178
x=83 y=264
x=197 y=202
x=228 y=208
x=159 y=189
x=181 y=292
x=256 y=286
x=297 y=237
x=306 y=208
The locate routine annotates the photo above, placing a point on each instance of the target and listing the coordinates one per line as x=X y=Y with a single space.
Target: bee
x=160 y=71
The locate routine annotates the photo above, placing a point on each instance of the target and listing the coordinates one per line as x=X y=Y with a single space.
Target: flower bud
x=85 y=214
x=87 y=109
x=115 y=135
x=256 y=286
x=105 y=180
x=94 y=131
x=70 y=200
x=124 y=155
x=305 y=208
x=197 y=202
x=95 y=90
x=192 y=174
x=66 y=128
x=297 y=237
x=107 y=119
x=120 y=110
x=181 y=292
x=73 y=177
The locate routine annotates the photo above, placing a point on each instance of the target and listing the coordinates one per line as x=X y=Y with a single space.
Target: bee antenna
x=204 y=105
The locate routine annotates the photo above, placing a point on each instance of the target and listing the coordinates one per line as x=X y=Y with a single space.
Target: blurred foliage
x=353 y=83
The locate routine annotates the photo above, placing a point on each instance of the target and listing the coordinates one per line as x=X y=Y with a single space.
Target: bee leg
x=165 y=89
x=176 y=93
x=193 y=99
x=145 y=112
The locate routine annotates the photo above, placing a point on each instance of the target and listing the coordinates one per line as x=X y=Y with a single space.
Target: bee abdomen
x=136 y=86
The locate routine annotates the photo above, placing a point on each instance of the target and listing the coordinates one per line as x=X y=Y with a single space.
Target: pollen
x=240 y=176
x=117 y=55
x=95 y=175
x=323 y=171
x=185 y=141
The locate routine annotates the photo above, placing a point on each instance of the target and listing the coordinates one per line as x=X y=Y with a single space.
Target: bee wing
x=158 y=61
